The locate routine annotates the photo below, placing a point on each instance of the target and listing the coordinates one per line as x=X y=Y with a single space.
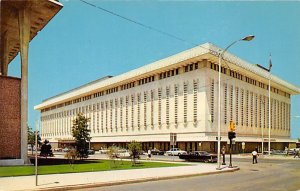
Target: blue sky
x=81 y=43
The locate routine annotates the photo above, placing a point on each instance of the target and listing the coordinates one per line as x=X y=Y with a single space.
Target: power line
x=151 y=28
x=140 y=24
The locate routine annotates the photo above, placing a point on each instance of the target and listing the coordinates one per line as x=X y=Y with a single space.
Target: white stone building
x=178 y=94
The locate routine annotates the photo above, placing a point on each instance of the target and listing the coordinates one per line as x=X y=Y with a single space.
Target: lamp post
x=270 y=66
x=247 y=38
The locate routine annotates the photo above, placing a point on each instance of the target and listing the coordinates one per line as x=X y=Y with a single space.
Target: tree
x=81 y=134
x=134 y=147
x=31 y=138
x=112 y=154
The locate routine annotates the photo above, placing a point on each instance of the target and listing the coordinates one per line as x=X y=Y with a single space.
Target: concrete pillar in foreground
x=4 y=61
x=24 y=32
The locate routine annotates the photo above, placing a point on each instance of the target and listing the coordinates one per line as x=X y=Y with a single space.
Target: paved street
x=268 y=174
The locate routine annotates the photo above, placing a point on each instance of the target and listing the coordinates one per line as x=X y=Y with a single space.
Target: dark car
x=157 y=152
x=199 y=156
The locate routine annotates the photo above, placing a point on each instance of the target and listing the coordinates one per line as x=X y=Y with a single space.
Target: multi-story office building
x=178 y=94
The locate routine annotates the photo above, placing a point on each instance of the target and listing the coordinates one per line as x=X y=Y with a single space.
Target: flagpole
x=270 y=66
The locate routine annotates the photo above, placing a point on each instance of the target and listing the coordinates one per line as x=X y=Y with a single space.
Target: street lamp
x=247 y=38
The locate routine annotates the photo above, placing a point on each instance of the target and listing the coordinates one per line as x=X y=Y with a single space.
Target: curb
x=129 y=181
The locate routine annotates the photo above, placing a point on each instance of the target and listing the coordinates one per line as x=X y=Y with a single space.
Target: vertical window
x=159 y=106
x=256 y=110
x=132 y=112
x=251 y=109
x=212 y=96
x=231 y=103
x=94 y=117
x=111 y=115
x=242 y=107
x=106 y=116
x=98 y=110
x=264 y=111
x=185 y=88
x=102 y=110
x=247 y=108
x=145 y=110
x=176 y=103
x=126 y=112
x=121 y=113
x=116 y=115
x=236 y=105
x=225 y=103
x=167 y=105
x=152 y=108
x=195 y=99
x=139 y=110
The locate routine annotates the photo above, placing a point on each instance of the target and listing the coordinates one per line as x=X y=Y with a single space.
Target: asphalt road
x=268 y=174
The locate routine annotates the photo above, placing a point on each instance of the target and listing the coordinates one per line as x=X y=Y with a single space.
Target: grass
x=88 y=166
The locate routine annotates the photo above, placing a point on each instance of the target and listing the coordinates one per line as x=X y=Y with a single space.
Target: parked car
x=66 y=149
x=91 y=152
x=157 y=152
x=124 y=154
x=103 y=151
x=58 y=149
x=279 y=152
x=200 y=156
x=175 y=151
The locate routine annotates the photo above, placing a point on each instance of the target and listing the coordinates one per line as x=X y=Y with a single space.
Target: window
x=185 y=89
x=251 y=109
x=212 y=92
x=139 y=110
x=159 y=106
x=116 y=115
x=242 y=107
x=176 y=103
x=225 y=103
x=132 y=112
x=231 y=103
x=121 y=113
x=152 y=108
x=167 y=105
x=145 y=110
x=126 y=112
x=247 y=108
x=236 y=105
x=195 y=99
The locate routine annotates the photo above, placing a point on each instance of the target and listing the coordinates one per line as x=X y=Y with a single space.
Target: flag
x=270 y=63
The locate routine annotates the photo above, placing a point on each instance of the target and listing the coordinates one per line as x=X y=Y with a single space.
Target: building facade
x=178 y=94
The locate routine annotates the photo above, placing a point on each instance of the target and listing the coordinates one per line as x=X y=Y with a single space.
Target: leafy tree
x=134 y=147
x=31 y=138
x=81 y=133
x=112 y=154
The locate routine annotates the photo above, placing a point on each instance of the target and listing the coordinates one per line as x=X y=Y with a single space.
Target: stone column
x=24 y=33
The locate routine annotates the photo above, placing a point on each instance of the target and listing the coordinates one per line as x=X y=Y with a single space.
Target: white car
x=175 y=151
x=124 y=154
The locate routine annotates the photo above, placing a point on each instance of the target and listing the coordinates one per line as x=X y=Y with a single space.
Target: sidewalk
x=105 y=178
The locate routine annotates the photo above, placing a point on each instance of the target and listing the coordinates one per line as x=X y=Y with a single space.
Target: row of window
x=239 y=76
x=251 y=109
x=110 y=115
x=161 y=75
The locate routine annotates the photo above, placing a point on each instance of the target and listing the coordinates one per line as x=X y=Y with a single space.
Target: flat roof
x=207 y=51
x=41 y=12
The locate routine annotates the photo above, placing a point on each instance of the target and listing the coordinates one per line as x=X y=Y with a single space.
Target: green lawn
x=89 y=166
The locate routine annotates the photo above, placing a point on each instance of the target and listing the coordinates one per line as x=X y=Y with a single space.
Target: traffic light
x=232 y=126
x=231 y=135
